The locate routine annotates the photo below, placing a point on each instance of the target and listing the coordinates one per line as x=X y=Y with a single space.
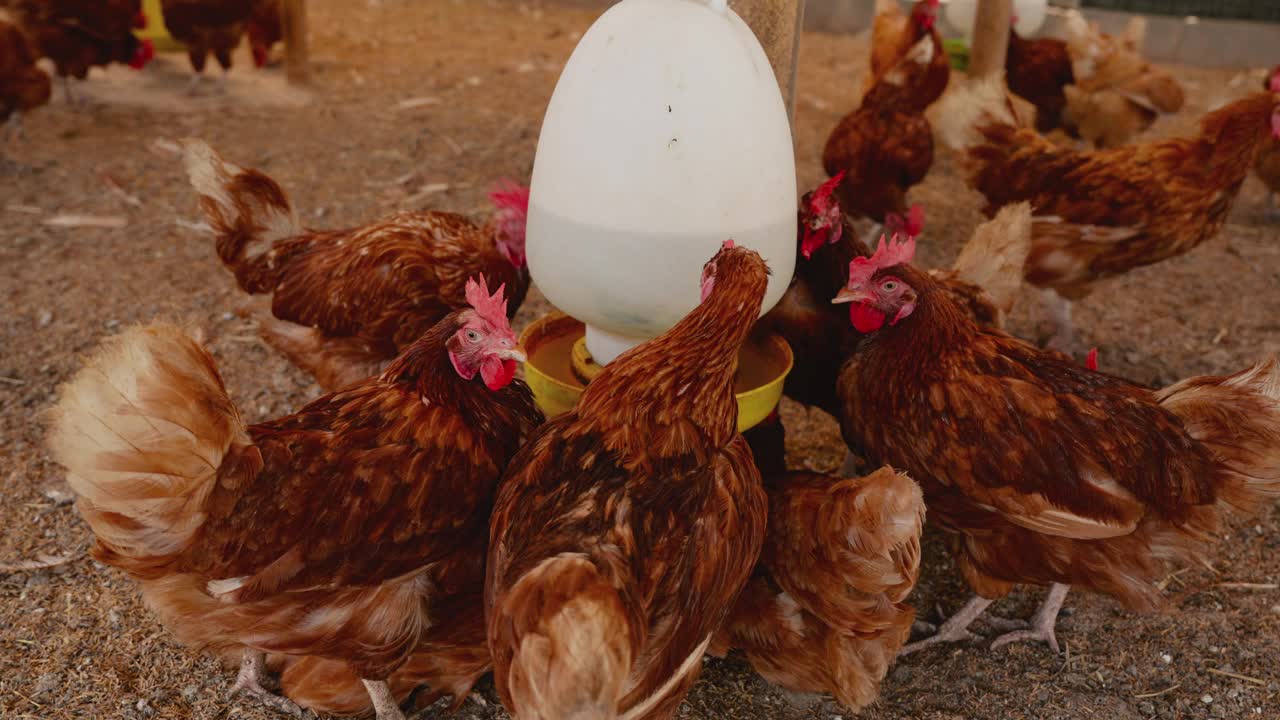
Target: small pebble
x=1207 y=699
x=44 y=318
x=1166 y=658
x=113 y=324
x=47 y=682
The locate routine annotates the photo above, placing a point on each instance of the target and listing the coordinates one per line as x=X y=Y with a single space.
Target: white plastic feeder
x=1031 y=14
x=666 y=134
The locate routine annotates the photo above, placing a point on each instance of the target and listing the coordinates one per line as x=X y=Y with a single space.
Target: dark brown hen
x=1038 y=70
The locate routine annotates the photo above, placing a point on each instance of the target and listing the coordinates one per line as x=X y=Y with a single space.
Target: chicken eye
x=472 y=335
x=889 y=286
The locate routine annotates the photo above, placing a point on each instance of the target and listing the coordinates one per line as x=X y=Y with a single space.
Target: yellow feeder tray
x=155 y=31
x=555 y=347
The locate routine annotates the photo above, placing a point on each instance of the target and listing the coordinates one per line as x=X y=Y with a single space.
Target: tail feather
x=247 y=210
x=968 y=107
x=860 y=534
x=562 y=631
x=143 y=431
x=995 y=257
x=1238 y=419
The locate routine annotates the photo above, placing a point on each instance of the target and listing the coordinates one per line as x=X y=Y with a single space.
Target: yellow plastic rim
x=554 y=396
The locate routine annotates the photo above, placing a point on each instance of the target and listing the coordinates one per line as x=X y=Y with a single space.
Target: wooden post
x=990 y=37
x=293 y=20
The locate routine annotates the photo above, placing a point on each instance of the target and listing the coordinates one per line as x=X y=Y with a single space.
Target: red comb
x=823 y=192
x=508 y=195
x=490 y=308
x=888 y=254
x=727 y=245
x=1091 y=361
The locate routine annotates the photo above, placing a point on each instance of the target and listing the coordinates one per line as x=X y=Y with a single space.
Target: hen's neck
x=684 y=376
x=827 y=269
x=937 y=327
x=424 y=368
x=1230 y=139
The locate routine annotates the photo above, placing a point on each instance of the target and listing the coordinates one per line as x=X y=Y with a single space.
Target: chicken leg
x=249 y=681
x=1063 y=338
x=1044 y=622
x=955 y=629
x=385 y=706
x=13 y=128
x=873 y=235
x=74 y=100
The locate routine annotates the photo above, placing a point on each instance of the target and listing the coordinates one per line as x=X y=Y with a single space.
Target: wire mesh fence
x=1260 y=10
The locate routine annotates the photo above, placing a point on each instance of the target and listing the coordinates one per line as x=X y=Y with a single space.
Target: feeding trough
x=667 y=134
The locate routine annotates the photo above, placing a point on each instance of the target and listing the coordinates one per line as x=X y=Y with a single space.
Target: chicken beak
x=513 y=353
x=847 y=296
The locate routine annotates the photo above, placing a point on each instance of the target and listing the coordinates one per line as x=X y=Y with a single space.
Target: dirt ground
x=421 y=103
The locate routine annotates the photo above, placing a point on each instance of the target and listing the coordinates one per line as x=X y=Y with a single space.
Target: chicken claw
x=1043 y=625
x=248 y=681
x=955 y=629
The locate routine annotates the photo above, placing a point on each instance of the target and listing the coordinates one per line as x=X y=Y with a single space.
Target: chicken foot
x=1044 y=622
x=249 y=681
x=384 y=701
x=955 y=629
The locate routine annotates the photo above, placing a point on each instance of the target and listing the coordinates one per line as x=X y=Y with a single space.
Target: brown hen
x=1117 y=93
x=825 y=610
x=1042 y=471
x=345 y=531
x=885 y=145
x=624 y=530
x=23 y=86
x=80 y=34
x=207 y=26
x=895 y=34
x=1267 y=165
x=345 y=302
x=1100 y=214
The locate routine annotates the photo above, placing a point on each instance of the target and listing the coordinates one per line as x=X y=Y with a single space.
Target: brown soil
x=78 y=643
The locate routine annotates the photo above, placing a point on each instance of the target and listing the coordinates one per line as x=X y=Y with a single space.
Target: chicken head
x=925 y=14
x=485 y=342
x=820 y=216
x=875 y=291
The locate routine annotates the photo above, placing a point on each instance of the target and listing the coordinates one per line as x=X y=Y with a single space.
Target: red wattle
x=497 y=374
x=865 y=317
